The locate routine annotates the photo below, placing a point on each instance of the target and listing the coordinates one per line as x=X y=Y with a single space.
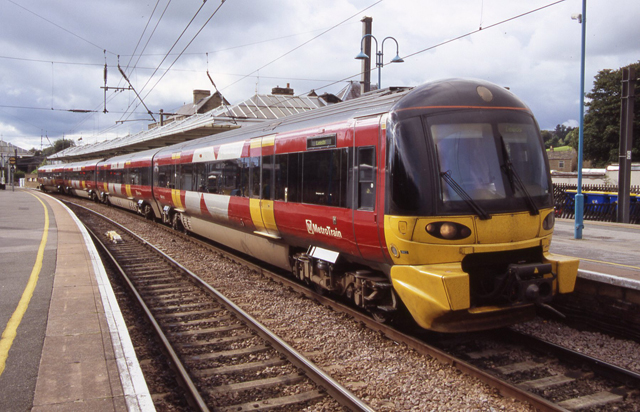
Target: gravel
x=387 y=375
x=620 y=352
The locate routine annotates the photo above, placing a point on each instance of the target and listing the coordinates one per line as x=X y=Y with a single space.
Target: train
x=433 y=202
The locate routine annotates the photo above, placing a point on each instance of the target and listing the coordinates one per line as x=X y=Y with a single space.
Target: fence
x=601 y=202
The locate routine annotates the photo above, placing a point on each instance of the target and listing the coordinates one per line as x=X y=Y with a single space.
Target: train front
x=469 y=208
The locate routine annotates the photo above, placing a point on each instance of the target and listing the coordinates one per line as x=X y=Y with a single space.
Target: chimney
x=365 y=68
x=199 y=95
x=287 y=91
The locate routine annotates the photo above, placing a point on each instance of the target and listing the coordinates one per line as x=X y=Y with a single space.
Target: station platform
x=64 y=344
x=605 y=247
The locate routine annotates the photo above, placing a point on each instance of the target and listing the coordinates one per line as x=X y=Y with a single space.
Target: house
x=563 y=160
x=203 y=102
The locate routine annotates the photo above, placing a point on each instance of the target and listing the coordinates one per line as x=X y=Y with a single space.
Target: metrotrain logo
x=313 y=228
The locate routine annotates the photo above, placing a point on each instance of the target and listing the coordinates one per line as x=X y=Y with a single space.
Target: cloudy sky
x=52 y=54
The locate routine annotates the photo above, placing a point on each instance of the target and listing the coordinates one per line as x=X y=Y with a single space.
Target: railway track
x=224 y=358
x=554 y=377
x=566 y=380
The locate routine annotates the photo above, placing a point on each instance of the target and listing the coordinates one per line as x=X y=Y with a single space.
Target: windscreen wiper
x=446 y=176
x=515 y=181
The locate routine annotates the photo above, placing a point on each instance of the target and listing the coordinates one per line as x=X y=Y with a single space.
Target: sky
x=53 y=53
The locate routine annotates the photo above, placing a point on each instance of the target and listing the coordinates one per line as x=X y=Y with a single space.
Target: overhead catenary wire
x=188 y=44
x=60 y=27
x=144 y=31
x=405 y=57
x=434 y=46
x=307 y=42
x=169 y=51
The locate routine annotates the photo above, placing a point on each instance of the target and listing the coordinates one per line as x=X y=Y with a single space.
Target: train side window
x=366 y=178
x=325 y=177
x=186 y=177
x=166 y=177
x=243 y=188
x=288 y=174
x=280 y=180
x=134 y=176
x=145 y=176
x=254 y=177
x=267 y=177
x=200 y=177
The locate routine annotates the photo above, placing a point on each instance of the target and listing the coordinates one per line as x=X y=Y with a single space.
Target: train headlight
x=549 y=221
x=448 y=230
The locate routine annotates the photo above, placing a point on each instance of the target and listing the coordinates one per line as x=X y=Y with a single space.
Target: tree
x=602 y=120
x=562 y=131
x=58 y=146
x=546 y=137
x=557 y=137
x=35 y=151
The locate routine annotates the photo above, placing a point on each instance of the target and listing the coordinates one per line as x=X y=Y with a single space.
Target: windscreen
x=491 y=161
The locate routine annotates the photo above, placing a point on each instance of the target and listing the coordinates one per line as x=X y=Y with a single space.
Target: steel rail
x=312 y=371
x=194 y=397
x=603 y=368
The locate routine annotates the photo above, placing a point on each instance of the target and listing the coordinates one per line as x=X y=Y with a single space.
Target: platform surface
x=68 y=353
x=611 y=248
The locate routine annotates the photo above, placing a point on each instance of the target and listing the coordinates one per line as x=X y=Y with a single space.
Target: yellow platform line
x=601 y=261
x=9 y=333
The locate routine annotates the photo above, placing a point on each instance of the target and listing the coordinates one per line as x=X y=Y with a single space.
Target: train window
x=231 y=183
x=243 y=189
x=115 y=176
x=366 y=178
x=166 y=177
x=324 y=177
x=134 y=176
x=200 y=177
x=144 y=176
x=186 y=177
x=215 y=178
x=267 y=177
x=410 y=176
x=524 y=150
x=254 y=177
x=288 y=177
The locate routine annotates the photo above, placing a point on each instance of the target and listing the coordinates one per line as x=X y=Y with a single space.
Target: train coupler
x=527 y=282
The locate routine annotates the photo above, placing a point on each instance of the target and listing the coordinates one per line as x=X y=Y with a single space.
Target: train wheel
x=381 y=316
x=176 y=223
x=148 y=212
x=319 y=289
x=349 y=293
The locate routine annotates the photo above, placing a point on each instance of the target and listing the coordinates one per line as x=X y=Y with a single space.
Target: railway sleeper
x=364 y=288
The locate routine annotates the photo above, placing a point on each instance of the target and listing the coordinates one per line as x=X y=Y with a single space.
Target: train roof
x=145 y=155
x=376 y=102
x=442 y=95
x=83 y=163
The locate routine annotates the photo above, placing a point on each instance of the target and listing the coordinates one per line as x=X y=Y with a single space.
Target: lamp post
x=379 y=54
x=579 y=199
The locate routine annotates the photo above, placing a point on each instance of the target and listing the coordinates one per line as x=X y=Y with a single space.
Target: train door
x=261 y=187
x=364 y=189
